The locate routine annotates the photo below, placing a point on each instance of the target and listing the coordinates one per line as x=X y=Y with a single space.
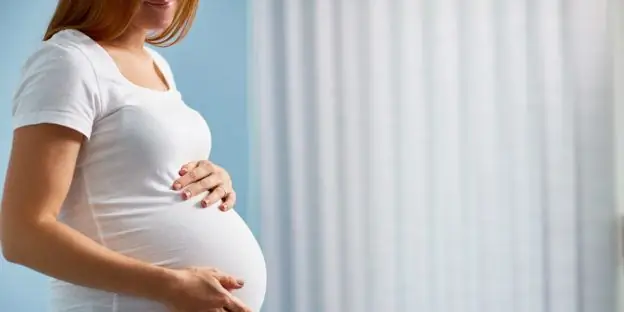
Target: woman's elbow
x=7 y=243
x=8 y=251
x=3 y=245
x=8 y=254
x=15 y=242
x=3 y=251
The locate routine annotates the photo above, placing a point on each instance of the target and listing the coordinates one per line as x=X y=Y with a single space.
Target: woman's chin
x=157 y=29
x=155 y=26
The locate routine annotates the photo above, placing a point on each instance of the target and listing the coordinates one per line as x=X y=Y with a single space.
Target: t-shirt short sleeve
x=58 y=86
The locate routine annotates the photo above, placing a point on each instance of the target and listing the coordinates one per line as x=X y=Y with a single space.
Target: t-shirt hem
x=58 y=118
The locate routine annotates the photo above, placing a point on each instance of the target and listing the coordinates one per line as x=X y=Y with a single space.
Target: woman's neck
x=133 y=40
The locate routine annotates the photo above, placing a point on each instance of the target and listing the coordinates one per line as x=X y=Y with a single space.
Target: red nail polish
x=186 y=195
x=182 y=172
x=204 y=204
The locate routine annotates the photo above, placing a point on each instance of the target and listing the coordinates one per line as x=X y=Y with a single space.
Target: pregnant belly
x=182 y=235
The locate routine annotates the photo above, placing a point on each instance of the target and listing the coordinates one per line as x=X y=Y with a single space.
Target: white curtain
x=618 y=38
x=435 y=155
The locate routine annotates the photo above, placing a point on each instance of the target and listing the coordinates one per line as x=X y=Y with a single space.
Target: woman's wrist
x=164 y=284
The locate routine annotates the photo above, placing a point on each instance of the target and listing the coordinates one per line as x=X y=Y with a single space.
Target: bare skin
x=33 y=236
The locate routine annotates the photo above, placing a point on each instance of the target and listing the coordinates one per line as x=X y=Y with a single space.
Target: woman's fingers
x=215 y=195
x=193 y=173
x=188 y=167
x=235 y=305
x=226 y=280
x=229 y=202
x=198 y=177
x=229 y=282
x=208 y=183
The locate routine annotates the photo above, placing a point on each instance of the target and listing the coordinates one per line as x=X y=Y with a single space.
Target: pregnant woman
x=126 y=214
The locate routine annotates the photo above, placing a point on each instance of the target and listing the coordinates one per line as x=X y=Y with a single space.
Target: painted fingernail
x=183 y=171
x=223 y=207
x=177 y=186
x=204 y=204
x=186 y=195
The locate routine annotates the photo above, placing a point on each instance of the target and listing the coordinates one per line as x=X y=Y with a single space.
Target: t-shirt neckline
x=115 y=69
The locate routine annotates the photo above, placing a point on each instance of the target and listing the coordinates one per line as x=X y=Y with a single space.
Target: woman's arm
x=40 y=171
x=33 y=237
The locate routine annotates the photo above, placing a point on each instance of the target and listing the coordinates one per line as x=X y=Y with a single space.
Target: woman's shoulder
x=62 y=55
x=58 y=85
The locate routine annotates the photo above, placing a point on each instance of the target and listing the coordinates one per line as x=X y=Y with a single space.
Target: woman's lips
x=159 y=3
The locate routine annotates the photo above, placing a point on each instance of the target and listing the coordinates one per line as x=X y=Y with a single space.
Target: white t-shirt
x=121 y=195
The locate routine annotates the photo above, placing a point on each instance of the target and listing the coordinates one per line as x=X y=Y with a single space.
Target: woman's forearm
x=59 y=251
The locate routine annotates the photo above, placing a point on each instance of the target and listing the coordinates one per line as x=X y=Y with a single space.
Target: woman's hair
x=105 y=20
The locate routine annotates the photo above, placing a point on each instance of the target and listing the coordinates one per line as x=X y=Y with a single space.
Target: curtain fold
x=617 y=24
x=440 y=156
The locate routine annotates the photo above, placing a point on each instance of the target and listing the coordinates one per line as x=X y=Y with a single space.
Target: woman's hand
x=200 y=176
x=205 y=289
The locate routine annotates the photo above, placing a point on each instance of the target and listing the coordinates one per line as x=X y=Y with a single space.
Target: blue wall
x=211 y=71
